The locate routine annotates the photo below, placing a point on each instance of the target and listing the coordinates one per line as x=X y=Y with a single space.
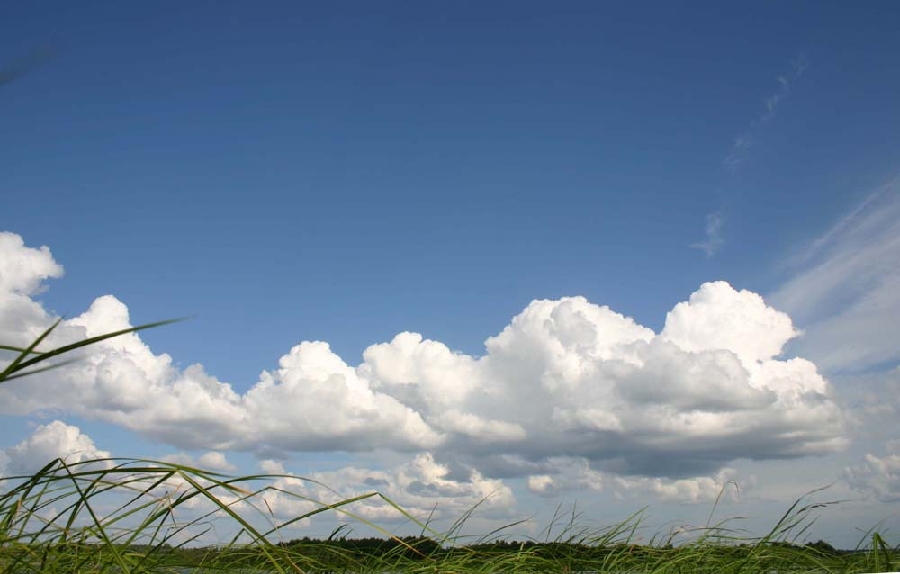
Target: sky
x=597 y=254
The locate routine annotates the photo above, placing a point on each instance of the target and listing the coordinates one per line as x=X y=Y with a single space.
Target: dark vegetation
x=423 y=554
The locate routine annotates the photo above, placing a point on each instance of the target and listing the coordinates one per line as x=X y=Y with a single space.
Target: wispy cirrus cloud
x=846 y=288
x=845 y=294
x=714 y=240
x=740 y=149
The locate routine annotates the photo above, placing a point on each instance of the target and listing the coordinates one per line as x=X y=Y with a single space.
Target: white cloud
x=718 y=317
x=23 y=271
x=422 y=487
x=212 y=461
x=49 y=442
x=847 y=289
x=316 y=401
x=879 y=476
x=577 y=474
x=565 y=378
x=714 y=240
x=215 y=461
x=25 y=268
x=313 y=402
x=696 y=489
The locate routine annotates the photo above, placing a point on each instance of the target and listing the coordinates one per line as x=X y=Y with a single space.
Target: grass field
x=121 y=515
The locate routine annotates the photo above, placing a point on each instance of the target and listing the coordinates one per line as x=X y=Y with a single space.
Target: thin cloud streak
x=714 y=240
x=843 y=224
x=740 y=149
x=848 y=290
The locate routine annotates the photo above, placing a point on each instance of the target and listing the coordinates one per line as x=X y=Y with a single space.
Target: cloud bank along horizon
x=570 y=395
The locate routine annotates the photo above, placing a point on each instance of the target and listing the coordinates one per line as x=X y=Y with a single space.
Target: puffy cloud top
x=317 y=401
x=49 y=442
x=718 y=317
x=878 y=475
x=24 y=269
x=565 y=378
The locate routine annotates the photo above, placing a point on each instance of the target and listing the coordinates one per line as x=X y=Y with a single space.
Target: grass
x=133 y=515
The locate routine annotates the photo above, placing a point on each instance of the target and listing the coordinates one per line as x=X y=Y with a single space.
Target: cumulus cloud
x=566 y=377
x=422 y=487
x=879 y=476
x=25 y=268
x=23 y=271
x=717 y=317
x=315 y=401
x=212 y=460
x=577 y=474
x=49 y=442
x=846 y=287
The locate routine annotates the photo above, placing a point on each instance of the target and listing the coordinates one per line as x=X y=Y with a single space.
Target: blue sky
x=346 y=173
